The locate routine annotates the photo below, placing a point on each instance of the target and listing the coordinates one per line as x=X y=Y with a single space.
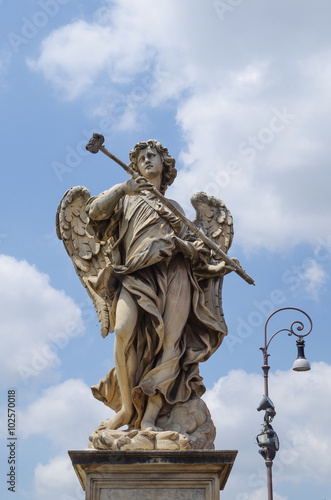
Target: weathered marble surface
x=159 y=288
x=156 y=494
x=187 y=427
x=153 y=475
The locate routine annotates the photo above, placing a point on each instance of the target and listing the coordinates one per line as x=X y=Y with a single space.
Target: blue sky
x=239 y=93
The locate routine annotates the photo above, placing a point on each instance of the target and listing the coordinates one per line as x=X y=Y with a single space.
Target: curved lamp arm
x=298 y=326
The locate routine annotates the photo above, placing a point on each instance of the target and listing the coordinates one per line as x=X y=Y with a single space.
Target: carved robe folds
x=154 y=258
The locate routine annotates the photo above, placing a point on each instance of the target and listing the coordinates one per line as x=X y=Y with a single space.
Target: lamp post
x=268 y=439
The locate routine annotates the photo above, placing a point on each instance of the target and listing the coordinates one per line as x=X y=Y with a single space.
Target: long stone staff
x=95 y=145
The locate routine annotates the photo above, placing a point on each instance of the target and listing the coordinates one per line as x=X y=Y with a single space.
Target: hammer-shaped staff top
x=95 y=145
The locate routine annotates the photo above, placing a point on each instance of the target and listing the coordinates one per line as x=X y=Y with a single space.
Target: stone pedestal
x=152 y=475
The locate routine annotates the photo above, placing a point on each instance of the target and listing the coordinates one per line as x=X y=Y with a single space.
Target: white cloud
x=226 y=78
x=261 y=162
x=314 y=278
x=259 y=494
x=57 y=480
x=37 y=321
x=302 y=402
x=66 y=414
x=72 y=56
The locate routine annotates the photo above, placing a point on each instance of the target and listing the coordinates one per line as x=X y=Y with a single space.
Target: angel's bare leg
x=125 y=363
x=177 y=310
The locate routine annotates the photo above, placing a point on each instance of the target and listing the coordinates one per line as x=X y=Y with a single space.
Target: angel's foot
x=121 y=418
x=148 y=424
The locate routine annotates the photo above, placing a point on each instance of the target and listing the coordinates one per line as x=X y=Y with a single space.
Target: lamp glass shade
x=301 y=364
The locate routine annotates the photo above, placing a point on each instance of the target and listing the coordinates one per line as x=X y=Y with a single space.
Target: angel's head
x=162 y=161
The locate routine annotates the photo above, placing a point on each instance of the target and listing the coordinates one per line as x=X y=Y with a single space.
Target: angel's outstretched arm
x=102 y=206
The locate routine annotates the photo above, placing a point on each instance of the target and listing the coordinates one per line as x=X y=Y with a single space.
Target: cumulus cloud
x=266 y=178
x=38 y=321
x=72 y=56
x=302 y=402
x=57 y=481
x=314 y=278
x=66 y=414
x=248 y=116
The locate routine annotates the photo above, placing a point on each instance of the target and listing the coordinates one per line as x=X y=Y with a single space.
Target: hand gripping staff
x=95 y=145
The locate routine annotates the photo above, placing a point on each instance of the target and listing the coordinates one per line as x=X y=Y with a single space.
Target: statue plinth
x=152 y=475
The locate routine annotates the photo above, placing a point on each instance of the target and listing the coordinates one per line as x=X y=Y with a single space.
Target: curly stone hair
x=169 y=172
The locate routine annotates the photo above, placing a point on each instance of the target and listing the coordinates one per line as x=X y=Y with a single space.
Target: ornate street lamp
x=267 y=439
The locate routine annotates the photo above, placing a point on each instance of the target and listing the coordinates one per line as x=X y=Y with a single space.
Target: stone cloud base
x=152 y=475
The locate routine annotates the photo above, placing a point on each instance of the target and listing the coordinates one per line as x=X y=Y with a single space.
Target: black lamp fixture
x=301 y=364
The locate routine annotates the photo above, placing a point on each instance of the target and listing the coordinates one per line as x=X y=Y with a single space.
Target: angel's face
x=149 y=163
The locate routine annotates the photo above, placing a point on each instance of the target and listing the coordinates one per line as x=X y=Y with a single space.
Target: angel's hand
x=135 y=186
x=223 y=268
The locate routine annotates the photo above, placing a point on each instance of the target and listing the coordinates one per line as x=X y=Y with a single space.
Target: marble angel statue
x=158 y=287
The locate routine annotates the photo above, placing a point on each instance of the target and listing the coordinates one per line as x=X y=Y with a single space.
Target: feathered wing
x=215 y=220
x=89 y=257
